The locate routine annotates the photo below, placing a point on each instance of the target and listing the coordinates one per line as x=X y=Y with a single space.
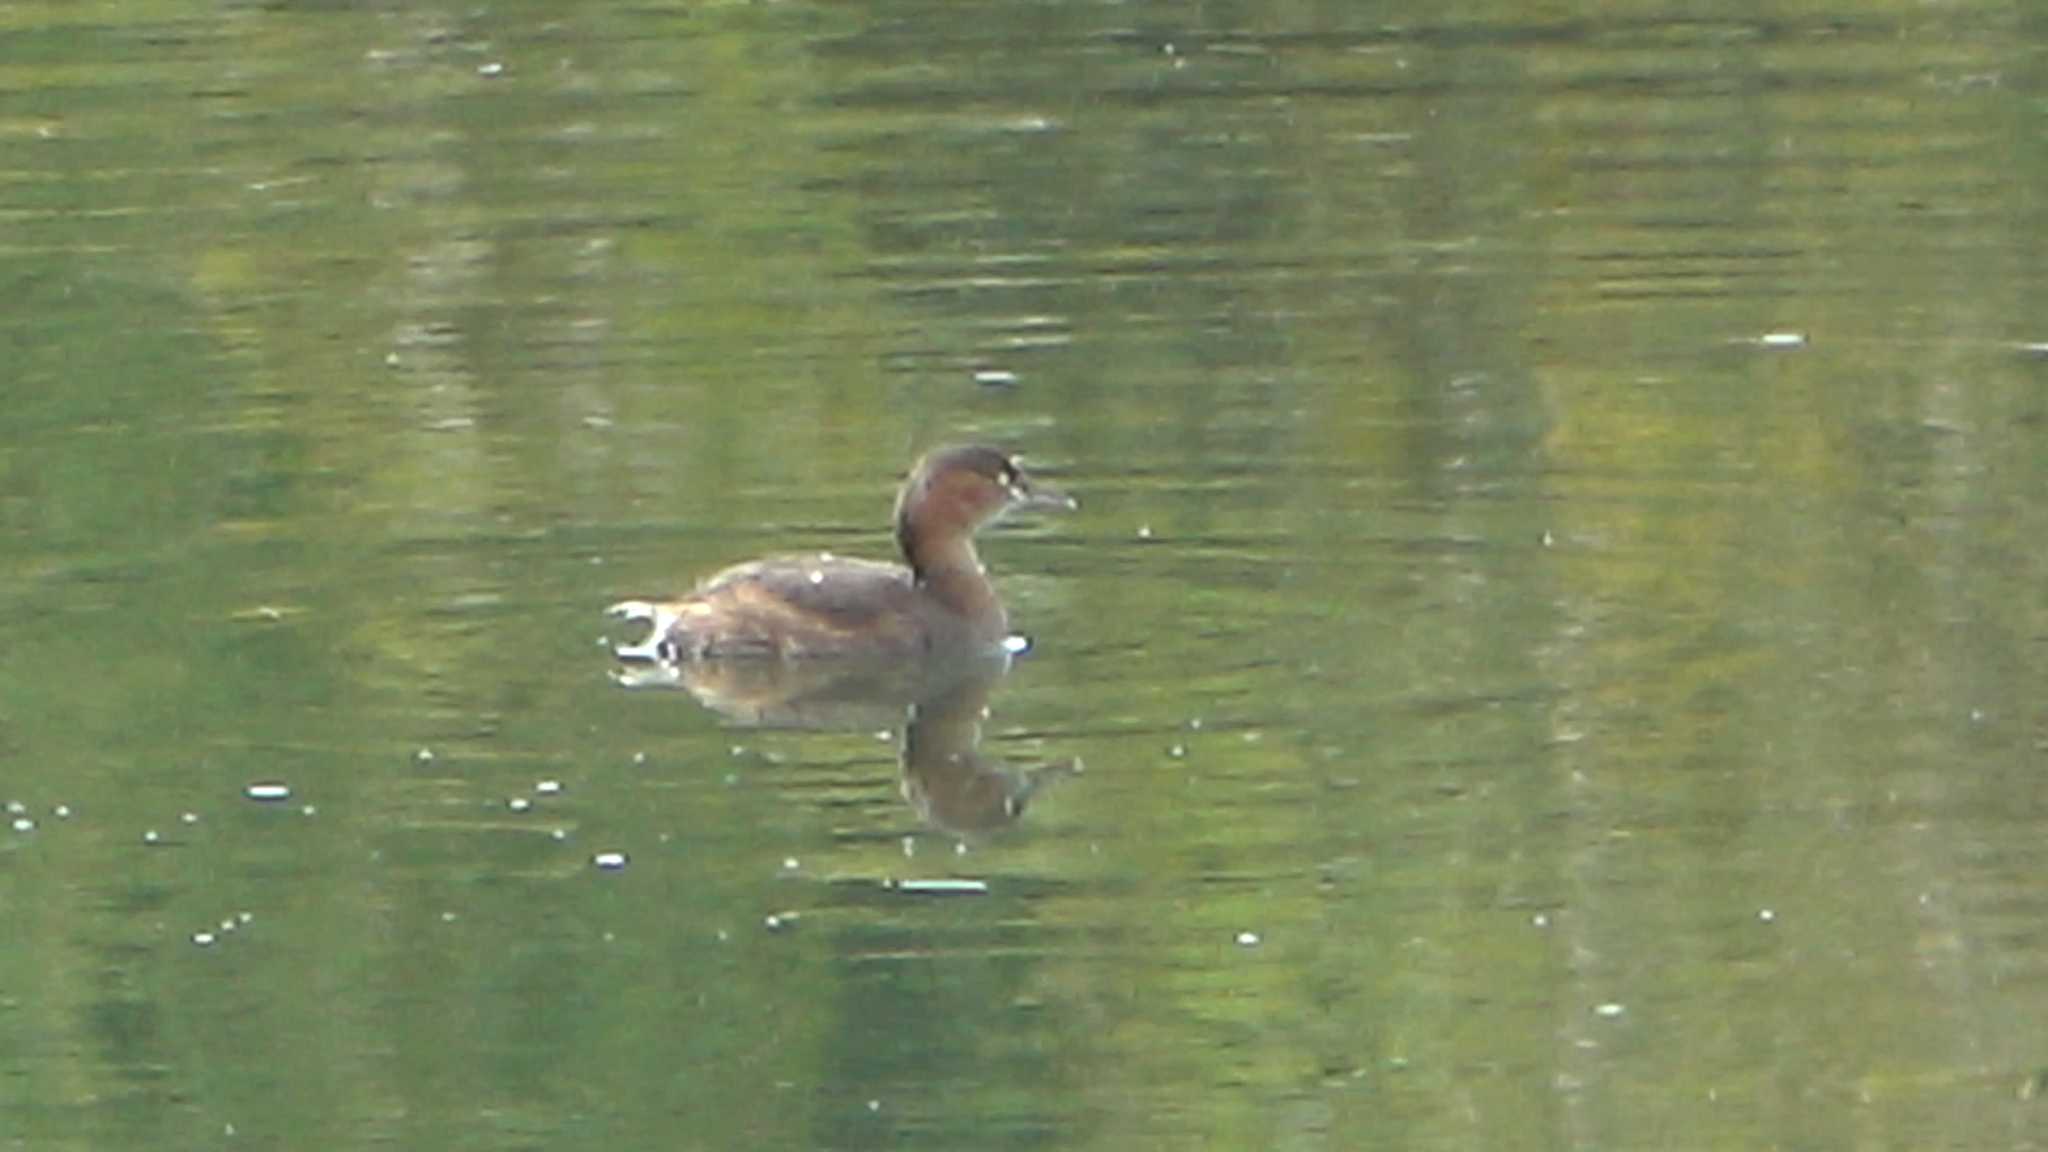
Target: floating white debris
x=519 y=804
x=203 y=939
x=609 y=861
x=548 y=787
x=1248 y=939
x=1609 y=1011
x=268 y=791
x=942 y=887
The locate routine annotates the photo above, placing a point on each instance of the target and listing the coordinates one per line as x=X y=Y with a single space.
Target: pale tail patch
x=655 y=647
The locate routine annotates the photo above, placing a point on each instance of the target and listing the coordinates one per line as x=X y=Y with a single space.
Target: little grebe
x=824 y=605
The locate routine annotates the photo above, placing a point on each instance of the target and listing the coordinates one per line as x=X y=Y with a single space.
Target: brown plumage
x=940 y=599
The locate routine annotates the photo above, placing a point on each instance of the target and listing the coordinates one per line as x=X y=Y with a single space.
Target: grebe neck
x=952 y=572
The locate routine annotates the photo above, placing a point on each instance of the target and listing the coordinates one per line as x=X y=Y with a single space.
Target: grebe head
x=954 y=491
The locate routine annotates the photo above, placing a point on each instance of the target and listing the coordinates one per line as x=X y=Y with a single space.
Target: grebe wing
x=841 y=592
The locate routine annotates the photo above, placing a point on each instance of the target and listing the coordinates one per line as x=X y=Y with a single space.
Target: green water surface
x=1553 y=643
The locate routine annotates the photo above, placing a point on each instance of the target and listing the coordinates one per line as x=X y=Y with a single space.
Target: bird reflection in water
x=824 y=641
x=936 y=707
